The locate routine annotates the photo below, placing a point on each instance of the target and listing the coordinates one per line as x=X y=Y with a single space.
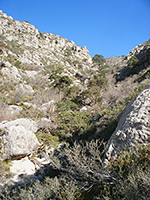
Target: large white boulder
x=22 y=166
x=28 y=124
x=133 y=127
x=18 y=139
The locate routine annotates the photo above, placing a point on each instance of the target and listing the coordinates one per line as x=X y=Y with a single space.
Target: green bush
x=98 y=80
x=132 y=62
x=47 y=139
x=132 y=170
x=59 y=81
x=30 y=112
x=73 y=124
x=98 y=59
x=66 y=105
x=107 y=119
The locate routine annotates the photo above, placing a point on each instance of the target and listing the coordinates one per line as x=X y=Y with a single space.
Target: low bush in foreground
x=82 y=175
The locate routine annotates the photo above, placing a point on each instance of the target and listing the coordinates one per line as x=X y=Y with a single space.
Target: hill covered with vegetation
x=71 y=103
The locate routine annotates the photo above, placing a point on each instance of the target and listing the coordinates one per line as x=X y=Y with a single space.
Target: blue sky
x=107 y=27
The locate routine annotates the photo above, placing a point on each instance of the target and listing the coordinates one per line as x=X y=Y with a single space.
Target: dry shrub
x=2 y=111
x=118 y=92
x=43 y=92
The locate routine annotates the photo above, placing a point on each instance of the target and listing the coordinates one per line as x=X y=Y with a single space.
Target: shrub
x=83 y=175
x=98 y=80
x=72 y=92
x=68 y=52
x=59 y=81
x=133 y=173
x=98 y=59
x=54 y=188
x=30 y=112
x=5 y=170
x=65 y=106
x=47 y=139
x=132 y=62
x=73 y=124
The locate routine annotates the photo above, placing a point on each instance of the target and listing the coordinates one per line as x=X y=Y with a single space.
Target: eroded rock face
x=133 y=127
x=18 y=138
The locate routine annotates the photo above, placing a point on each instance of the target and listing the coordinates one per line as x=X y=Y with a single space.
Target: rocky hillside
x=55 y=100
x=36 y=71
x=22 y=42
x=26 y=53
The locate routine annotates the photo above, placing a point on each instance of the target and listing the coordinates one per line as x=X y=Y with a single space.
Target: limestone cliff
x=133 y=128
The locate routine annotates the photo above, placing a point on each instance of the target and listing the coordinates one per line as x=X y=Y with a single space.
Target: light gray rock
x=29 y=105
x=13 y=110
x=44 y=123
x=18 y=142
x=31 y=74
x=133 y=127
x=18 y=139
x=20 y=167
x=12 y=72
x=28 y=124
x=25 y=89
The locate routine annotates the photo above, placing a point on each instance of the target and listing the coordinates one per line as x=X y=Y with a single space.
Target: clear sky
x=107 y=27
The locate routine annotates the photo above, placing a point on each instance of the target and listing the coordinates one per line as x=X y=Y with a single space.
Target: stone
x=18 y=142
x=44 y=123
x=31 y=74
x=25 y=89
x=18 y=138
x=28 y=124
x=12 y=72
x=133 y=127
x=84 y=108
x=13 y=110
x=22 y=166
x=29 y=105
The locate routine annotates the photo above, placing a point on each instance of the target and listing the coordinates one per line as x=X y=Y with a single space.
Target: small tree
x=59 y=81
x=98 y=59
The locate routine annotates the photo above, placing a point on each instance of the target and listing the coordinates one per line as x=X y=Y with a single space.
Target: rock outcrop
x=133 y=127
x=18 y=138
x=141 y=54
x=140 y=51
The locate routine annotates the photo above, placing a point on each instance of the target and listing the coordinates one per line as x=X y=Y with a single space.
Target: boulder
x=18 y=139
x=133 y=128
x=28 y=124
x=13 y=110
x=22 y=166
x=44 y=123
x=25 y=89
x=11 y=72
x=84 y=108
